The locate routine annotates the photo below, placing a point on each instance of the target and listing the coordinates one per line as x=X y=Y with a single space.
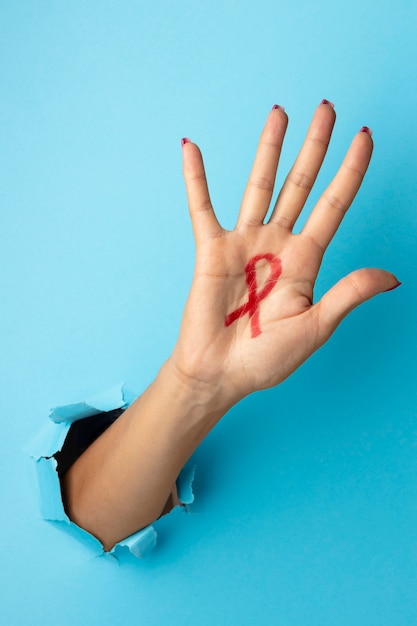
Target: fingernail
x=394 y=287
x=324 y=101
x=185 y=140
x=366 y=130
x=278 y=107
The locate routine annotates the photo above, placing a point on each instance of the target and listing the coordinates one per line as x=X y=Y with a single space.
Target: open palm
x=250 y=321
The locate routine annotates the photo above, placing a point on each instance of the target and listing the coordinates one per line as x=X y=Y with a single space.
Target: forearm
x=122 y=482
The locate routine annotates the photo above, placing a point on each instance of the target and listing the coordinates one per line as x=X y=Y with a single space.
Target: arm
x=248 y=323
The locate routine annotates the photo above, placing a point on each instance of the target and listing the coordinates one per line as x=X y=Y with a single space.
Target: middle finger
x=303 y=174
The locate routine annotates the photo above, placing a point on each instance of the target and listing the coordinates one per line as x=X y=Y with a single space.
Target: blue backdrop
x=306 y=495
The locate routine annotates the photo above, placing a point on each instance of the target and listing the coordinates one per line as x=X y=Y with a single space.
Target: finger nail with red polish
x=366 y=130
x=394 y=287
x=185 y=140
x=278 y=107
x=324 y=101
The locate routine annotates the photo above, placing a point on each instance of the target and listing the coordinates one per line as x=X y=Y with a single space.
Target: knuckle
x=195 y=177
x=273 y=143
x=282 y=220
x=314 y=241
x=301 y=180
x=262 y=183
x=319 y=141
x=356 y=289
x=203 y=205
x=356 y=171
x=335 y=202
x=248 y=222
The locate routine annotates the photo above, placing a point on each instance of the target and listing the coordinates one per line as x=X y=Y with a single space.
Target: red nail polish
x=394 y=287
x=185 y=140
x=278 y=107
x=366 y=130
x=324 y=101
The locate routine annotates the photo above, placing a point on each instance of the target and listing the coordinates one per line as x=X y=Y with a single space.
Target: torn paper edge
x=50 y=440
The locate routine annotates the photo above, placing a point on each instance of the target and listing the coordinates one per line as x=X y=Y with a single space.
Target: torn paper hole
x=50 y=440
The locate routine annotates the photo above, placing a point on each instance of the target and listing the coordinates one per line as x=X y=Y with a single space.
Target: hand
x=250 y=321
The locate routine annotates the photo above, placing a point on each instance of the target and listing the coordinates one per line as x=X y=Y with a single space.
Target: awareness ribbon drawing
x=251 y=307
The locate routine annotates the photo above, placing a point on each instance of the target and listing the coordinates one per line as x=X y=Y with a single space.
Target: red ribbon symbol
x=254 y=297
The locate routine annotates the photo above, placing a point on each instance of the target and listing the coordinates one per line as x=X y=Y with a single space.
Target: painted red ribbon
x=251 y=307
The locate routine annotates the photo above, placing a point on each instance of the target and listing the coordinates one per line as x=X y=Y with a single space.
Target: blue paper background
x=306 y=508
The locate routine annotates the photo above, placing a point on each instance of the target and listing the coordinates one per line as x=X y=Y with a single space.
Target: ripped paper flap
x=51 y=439
x=116 y=398
x=185 y=484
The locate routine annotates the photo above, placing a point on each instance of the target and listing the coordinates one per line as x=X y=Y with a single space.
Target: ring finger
x=258 y=192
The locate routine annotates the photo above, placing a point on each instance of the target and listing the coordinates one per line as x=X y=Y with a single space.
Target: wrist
x=207 y=400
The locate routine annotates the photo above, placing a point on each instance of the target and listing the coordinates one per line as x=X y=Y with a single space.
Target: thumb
x=349 y=293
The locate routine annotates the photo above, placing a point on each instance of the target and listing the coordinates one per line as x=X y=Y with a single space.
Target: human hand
x=250 y=320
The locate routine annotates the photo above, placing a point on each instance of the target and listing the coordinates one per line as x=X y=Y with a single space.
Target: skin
x=124 y=480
